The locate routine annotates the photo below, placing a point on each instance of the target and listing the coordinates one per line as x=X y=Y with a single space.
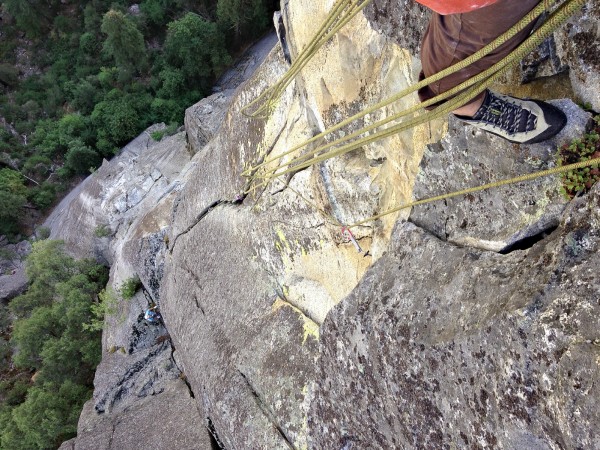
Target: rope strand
x=530 y=17
x=478 y=84
x=462 y=95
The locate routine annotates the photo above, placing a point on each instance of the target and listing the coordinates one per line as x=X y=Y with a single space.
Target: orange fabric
x=455 y=6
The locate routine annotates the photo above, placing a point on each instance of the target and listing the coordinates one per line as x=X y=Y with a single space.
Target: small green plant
x=169 y=131
x=157 y=135
x=583 y=149
x=102 y=231
x=106 y=305
x=42 y=233
x=129 y=287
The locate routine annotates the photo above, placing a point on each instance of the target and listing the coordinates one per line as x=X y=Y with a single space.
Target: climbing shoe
x=517 y=120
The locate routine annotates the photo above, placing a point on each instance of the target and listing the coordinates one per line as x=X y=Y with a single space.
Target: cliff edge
x=469 y=323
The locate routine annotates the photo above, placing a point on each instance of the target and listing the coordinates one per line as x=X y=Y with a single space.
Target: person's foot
x=517 y=120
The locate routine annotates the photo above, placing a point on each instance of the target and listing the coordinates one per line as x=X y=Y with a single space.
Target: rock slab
x=498 y=218
x=443 y=346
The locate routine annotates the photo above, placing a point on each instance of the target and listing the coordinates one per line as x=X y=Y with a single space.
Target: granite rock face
x=578 y=46
x=498 y=218
x=163 y=421
x=121 y=215
x=118 y=194
x=402 y=21
x=204 y=118
x=141 y=398
x=442 y=346
x=248 y=276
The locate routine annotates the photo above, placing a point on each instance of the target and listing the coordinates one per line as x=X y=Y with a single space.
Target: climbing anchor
x=347 y=233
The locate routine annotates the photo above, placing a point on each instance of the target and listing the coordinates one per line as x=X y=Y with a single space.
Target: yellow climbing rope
x=467 y=90
x=520 y=179
x=483 y=187
x=530 y=17
x=342 y=12
x=463 y=93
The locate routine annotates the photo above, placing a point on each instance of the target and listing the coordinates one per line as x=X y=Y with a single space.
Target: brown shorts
x=452 y=38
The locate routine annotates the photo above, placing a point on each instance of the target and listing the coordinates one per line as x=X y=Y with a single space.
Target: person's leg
x=452 y=38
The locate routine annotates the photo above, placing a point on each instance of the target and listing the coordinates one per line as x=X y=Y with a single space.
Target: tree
x=88 y=44
x=72 y=126
x=173 y=83
x=43 y=196
x=32 y=16
x=53 y=137
x=12 y=181
x=85 y=95
x=9 y=75
x=124 y=42
x=31 y=334
x=10 y=436
x=46 y=266
x=5 y=353
x=12 y=200
x=249 y=17
x=37 y=165
x=81 y=158
x=52 y=340
x=49 y=414
x=156 y=11
x=197 y=47
x=117 y=120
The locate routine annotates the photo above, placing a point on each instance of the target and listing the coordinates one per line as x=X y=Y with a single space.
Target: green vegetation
x=584 y=149
x=47 y=367
x=42 y=233
x=106 y=305
x=102 y=231
x=13 y=197
x=169 y=131
x=90 y=75
x=129 y=287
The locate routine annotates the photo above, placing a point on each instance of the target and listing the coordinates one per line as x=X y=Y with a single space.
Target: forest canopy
x=80 y=79
x=49 y=349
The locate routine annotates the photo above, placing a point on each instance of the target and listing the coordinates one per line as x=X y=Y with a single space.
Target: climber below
x=151 y=315
x=459 y=28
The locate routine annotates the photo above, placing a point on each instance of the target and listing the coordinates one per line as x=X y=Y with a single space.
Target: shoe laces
x=506 y=115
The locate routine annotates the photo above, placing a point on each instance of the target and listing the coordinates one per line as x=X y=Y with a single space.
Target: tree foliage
x=124 y=42
x=245 y=17
x=12 y=200
x=50 y=338
x=100 y=74
x=32 y=16
x=197 y=48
